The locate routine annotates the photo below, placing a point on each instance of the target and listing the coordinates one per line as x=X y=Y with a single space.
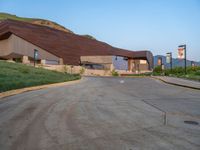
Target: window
x=143 y=62
x=94 y=66
x=51 y=62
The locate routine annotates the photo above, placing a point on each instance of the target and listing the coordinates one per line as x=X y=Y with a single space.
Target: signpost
x=182 y=54
x=169 y=59
x=35 y=56
x=160 y=63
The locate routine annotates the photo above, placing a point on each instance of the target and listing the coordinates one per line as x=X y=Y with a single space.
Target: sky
x=155 y=25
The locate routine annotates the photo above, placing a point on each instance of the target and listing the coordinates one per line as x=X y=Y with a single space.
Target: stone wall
x=97 y=59
x=64 y=68
x=77 y=70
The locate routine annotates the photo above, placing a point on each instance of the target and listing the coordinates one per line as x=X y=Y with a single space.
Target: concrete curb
x=167 y=82
x=172 y=83
x=117 y=76
x=33 y=88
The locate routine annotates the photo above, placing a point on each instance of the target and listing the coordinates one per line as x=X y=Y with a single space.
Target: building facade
x=19 y=40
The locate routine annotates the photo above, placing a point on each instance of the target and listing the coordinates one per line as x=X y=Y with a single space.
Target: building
x=19 y=40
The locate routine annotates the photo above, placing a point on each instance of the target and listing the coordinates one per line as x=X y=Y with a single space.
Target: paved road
x=102 y=114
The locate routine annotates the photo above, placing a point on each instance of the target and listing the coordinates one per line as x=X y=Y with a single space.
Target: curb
x=33 y=88
x=181 y=85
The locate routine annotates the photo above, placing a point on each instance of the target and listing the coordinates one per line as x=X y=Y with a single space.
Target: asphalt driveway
x=102 y=114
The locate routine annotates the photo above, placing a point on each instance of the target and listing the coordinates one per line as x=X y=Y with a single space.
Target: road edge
x=33 y=88
x=172 y=83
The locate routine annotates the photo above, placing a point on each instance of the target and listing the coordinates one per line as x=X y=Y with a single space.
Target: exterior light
x=35 y=56
x=169 y=59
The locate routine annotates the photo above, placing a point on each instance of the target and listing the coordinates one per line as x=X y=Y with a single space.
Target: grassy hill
x=43 y=22
x=4 y=16
x=16 y=75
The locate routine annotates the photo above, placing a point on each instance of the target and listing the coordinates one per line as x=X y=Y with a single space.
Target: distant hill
x=43 y=22
x=175 y=62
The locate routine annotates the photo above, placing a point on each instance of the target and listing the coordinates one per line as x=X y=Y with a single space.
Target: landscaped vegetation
x=16 y=75
x=114 y=73
x=193 y=73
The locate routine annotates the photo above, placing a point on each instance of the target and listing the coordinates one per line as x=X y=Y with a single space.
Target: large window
x=144 y=62
x=94 y=66
x=120 y=63
x=51 y=62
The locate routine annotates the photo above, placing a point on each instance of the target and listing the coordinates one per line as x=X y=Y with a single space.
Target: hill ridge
x=38 y=21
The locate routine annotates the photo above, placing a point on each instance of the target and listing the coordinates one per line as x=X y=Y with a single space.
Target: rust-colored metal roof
x=65 y=45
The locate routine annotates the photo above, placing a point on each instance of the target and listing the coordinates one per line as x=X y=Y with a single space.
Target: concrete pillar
x=112 y=67
x=43 y=61
x=136 y=66
x=61 y=61
x=130 y=65
x=10 y=60
x=25 y=60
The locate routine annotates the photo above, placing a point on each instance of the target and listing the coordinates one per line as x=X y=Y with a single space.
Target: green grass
x=4 y=16
x=193 y=73
x=16 y=75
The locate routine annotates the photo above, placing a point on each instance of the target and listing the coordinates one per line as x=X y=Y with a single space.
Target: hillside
x=43 y=22
x=4 y=16
x=16 y=75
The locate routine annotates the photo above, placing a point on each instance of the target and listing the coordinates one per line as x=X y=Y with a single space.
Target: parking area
x=102 y=113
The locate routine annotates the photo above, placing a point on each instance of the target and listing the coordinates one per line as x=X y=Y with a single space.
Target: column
x=25 y=60
x=43 y=62
x=61 y=61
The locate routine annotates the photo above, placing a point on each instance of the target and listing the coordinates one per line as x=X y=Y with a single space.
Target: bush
x=114 y=73
x=193 y=69
x=157 y=69
x=193 y=73
x=177 y=71
x=82 y=70
x=197 y=73
x=65 y=69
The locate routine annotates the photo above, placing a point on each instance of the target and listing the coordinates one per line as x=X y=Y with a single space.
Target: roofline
x=12 y=20
x=6 y=28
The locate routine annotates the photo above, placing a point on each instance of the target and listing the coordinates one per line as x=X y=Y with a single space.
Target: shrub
x=114 y=73
x=65 y=69
x=197 y=73
x=82 y=70
x=157 y=69
x=193 y=69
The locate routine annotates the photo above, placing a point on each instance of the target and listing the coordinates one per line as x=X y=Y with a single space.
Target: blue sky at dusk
x=156 y=25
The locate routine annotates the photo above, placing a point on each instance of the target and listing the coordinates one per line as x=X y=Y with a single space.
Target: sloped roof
x=65 y=45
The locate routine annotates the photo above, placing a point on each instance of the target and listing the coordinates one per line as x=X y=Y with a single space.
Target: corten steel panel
x=5 y=47
x=97 y=59
x=23 y=47
x=62 y=44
